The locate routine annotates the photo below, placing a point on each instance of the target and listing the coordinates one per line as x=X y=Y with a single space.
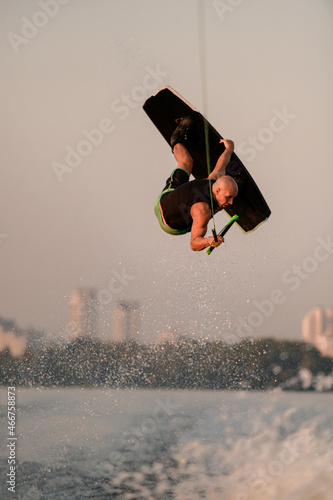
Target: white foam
x=212 y=445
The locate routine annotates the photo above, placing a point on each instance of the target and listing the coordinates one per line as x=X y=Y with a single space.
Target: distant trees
x=195 y=364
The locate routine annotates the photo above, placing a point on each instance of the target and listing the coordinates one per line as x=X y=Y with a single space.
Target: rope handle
x=223 y=231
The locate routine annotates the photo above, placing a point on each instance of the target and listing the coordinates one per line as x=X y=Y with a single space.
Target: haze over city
x=82 y=165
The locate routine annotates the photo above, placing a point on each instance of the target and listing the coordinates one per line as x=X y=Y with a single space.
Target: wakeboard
x=165 y=109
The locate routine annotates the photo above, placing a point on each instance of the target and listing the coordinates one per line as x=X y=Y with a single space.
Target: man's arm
x=223 y=160
x=201 y=213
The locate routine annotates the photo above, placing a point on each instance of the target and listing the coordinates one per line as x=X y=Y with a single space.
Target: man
x=186 y=206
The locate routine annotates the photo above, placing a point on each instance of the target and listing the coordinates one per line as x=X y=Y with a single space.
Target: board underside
x=166 y=108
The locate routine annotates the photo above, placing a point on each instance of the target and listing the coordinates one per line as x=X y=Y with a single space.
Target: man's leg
x=179 y=140
x=183 y=158
x=181 y=174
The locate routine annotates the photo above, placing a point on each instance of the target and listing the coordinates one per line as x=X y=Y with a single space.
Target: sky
x=82 y=165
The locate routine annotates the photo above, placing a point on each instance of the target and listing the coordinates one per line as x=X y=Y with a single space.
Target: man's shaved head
x=225 y=189
x=226 y=181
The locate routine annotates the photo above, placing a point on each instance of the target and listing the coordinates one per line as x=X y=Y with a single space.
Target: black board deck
x=166 y=108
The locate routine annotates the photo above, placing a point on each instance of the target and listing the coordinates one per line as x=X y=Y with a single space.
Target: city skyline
x=317 y=329
x=84 y=322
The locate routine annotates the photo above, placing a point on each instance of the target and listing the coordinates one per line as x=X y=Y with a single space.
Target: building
x=16 y=344
x=82 y=314
x=17 y=340
x=317 y=329
x=126 y=321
